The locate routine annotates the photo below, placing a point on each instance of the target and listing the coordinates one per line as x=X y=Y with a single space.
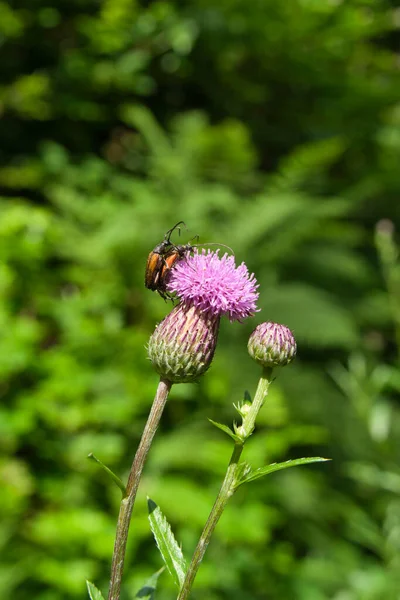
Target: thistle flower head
x=183 y=344
x=272 y=345
x=215 y=285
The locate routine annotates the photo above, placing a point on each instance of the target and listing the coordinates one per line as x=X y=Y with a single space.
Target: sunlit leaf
x=225 y=429
x=94 y=593
x=167 y=544
x=253 y=475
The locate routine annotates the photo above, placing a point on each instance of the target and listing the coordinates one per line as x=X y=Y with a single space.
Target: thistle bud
x=183 y=344
x=272 y=345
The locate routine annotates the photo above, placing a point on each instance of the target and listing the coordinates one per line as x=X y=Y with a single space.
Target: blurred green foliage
x=273 y=127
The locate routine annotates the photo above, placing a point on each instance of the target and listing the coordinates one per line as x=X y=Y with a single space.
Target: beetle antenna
x=217 y=244
x=167 y=236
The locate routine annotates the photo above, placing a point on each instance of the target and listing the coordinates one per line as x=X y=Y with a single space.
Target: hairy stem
x=229 y=484
x=127 y=503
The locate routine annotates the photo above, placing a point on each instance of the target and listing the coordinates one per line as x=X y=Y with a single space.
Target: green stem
x=224 y=494
x=249 y=420
x=228 y=486
x=127 y=503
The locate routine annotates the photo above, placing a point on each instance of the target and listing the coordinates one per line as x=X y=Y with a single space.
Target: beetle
x=161 y=260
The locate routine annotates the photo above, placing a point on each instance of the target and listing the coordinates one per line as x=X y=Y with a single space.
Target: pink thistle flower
x=215 y=285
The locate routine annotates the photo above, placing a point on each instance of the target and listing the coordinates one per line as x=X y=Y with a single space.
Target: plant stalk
x=229 y=484
x=127 y=503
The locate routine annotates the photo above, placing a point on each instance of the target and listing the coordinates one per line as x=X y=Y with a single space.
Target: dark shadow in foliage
x=149 y=589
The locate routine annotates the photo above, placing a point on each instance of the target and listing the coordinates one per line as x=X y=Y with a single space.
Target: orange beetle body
x=156 y=262
x=161 y=260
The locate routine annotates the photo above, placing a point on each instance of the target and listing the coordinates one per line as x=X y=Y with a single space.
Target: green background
x=270 y=126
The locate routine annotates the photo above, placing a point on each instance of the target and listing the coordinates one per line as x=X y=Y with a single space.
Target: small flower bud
x=183 y=344
x=240 y=430
x=272 y=345
x=244 y=409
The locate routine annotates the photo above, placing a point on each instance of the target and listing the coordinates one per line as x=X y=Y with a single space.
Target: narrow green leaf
x=148 y=590
x=244 y=469
x=226 y=429
x=253 y=475
x=167 y=544
x=94 y=593
x=112 y=475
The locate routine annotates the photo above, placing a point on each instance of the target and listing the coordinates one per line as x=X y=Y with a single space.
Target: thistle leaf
x=94 y=593
x=110 y=473
x=148 y=590
x=226 y=430
x=253 y=475
x=167 y=544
